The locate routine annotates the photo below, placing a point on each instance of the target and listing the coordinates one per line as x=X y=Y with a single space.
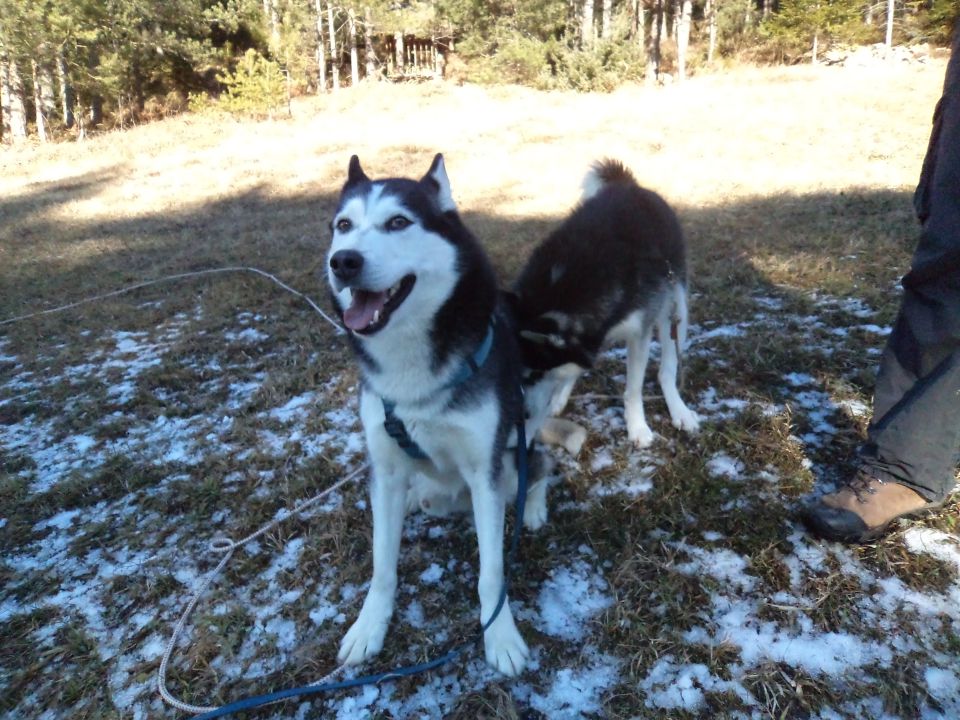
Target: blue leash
x=308 y=690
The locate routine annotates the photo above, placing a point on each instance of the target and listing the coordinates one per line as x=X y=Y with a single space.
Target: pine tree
x=808 y=23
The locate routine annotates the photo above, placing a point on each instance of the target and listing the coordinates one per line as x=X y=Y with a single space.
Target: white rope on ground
x=171 y=278
x=222 y=545
x=228 y=547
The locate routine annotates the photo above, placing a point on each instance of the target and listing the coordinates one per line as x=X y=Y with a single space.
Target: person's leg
x=915 y=433
x=908 y=463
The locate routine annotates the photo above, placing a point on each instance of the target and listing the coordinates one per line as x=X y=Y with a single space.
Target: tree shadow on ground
x=849 y=246
x=797 y=257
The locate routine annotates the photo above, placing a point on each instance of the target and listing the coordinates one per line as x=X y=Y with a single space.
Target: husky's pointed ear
x=437 y=179
x=355 y=173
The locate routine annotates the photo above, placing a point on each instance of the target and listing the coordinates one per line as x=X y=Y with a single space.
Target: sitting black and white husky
x=440 y=394
x=613 y=271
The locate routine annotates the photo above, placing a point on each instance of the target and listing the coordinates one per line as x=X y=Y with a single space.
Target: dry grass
x=133 y=430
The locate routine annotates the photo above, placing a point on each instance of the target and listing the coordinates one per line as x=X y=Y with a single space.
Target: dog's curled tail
x=605 y=172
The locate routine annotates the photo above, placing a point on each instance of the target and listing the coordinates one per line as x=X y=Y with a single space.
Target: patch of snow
x=247 y=335
x=721 y=408
x=795 y=379
x=676 y=686
x=722 y=564
x=819 y=654
x=944 y=685
x=699 y=335
x=578 y=692
x=569 y=599
x=936 y=543
x=724 y=465
x=432 y=575
x=295 y=409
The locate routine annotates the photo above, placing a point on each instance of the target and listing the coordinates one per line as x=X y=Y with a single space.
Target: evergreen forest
x=67 y=66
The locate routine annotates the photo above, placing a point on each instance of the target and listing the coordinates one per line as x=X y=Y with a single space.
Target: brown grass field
x=669 y=583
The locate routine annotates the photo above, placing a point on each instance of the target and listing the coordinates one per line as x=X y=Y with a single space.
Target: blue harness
x=394 y=425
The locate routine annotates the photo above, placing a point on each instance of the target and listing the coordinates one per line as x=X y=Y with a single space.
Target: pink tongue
x=365 y=304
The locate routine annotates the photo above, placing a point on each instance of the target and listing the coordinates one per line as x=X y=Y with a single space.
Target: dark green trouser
x=914 y=437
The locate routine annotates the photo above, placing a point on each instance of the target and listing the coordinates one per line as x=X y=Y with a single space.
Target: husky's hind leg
x=672 y=333
x=565 y=433
x=562 y=394
x=638 y=352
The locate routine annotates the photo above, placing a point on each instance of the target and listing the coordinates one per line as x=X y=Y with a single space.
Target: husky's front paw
x=685 y=419
x=535 y=510
x=364 y=639
x=505 y=650
x=642 y=436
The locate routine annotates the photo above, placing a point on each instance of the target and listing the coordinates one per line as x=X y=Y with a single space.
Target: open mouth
x=370 y=310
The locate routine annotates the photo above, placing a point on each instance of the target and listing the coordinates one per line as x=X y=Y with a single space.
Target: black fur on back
x=616 y=252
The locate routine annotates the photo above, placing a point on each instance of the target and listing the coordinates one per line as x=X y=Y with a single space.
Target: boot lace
x=861 y=485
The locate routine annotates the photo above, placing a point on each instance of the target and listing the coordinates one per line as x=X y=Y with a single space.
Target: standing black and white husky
x=613 y=271
x=440 y=392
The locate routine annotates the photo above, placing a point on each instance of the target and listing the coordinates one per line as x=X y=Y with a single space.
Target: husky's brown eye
x=344 y=225
x=398 y=222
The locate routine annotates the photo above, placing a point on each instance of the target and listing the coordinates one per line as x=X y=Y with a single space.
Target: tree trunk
x=96 y=110
x=272 y=14
x=5 y=100
x=683 y=38
x=767 y=8
x=401 y=54
x=889 y=39
x=96 y=101
x=586 y=24
x=370 y=55
x=664 y=30
x=66 y=89
x=38 y=104
x=816 y=46
x=354 y=57
x=748 y=15
x=13 y=101
x=139 y=81
x=605 y=23
x=711 y=12
x=641 y=21
x=334 y=59
x=48 y=92
x=321 y=50
x=653 y=46
x=675 y=25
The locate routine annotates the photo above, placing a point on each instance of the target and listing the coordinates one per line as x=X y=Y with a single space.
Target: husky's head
x=391 y=261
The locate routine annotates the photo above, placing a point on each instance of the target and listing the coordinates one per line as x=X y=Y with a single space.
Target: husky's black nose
x=346 y=264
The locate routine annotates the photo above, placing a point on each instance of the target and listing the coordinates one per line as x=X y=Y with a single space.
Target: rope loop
x=222 y=545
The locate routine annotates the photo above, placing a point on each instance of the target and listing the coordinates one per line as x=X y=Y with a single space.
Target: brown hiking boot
x=862 y=509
